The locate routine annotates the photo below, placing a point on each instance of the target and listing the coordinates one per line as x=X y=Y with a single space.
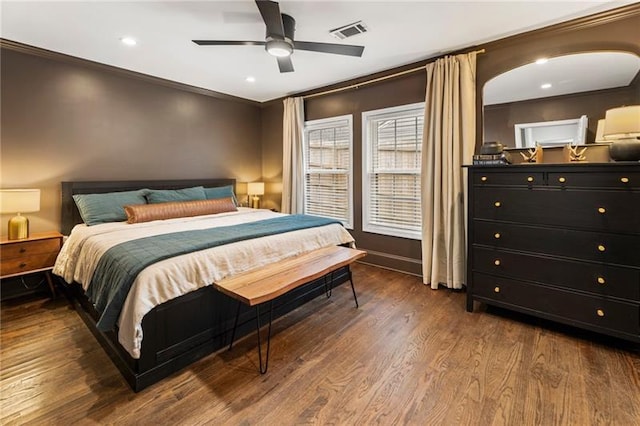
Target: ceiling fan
x=279 y=40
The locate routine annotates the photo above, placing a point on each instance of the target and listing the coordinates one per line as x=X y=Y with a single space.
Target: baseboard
x=393 y=262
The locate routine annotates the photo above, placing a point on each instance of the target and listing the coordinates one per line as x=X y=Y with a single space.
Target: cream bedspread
x=174 y=277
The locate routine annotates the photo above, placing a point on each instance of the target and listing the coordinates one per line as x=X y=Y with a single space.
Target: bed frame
x=183 y=330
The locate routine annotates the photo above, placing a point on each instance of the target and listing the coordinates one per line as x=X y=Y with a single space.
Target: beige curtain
x=448 y=143
x=292 y=166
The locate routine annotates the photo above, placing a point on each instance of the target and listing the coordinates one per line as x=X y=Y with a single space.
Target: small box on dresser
x=37 y=253
x=558 y=241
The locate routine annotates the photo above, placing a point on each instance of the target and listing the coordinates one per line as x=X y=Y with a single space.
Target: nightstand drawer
x=25 y=264
x=28 y=248
x=597 y=278
x=572 y=307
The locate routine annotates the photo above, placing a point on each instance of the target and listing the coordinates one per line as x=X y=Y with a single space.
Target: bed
x=197 y=321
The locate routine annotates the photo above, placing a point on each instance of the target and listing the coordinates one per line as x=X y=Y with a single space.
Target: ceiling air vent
x=349 y=30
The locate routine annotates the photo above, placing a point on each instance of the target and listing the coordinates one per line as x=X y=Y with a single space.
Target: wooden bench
x=265 y=284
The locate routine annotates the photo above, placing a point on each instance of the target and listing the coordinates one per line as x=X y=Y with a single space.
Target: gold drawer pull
x=624 y=179
x=496 y=235
x=601 y=280
x=483 y=178
x=561 y=180
x=22 y=250
x=602 y=210
x=22 y=265
x=600 y=312
x=496 y=289
x=530 y=179
x=496 y=262
x=601 y=247
x=497 y=204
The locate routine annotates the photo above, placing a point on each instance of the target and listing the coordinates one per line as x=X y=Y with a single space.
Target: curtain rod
x=375 y=80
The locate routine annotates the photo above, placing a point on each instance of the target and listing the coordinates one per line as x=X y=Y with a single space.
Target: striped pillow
x=160 y=211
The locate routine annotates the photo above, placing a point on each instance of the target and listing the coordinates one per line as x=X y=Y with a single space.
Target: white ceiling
x=399 y=33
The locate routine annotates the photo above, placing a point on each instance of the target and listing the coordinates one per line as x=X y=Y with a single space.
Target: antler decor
x=533 y=155
x=575 y=154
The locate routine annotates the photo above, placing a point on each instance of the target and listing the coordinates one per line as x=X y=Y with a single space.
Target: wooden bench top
x=268 y=282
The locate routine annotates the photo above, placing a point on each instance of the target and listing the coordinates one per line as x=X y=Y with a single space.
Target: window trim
x=321 y=123
x=367 y=226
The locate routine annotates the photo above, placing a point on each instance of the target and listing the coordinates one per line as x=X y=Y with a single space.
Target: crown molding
x=50 y=54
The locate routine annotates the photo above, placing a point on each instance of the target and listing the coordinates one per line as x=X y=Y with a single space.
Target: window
x=328 y=169
x=392 y=146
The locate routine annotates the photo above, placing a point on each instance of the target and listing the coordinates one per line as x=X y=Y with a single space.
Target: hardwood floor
x=409 y=355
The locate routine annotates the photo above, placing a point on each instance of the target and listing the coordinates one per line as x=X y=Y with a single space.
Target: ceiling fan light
x=278 y=48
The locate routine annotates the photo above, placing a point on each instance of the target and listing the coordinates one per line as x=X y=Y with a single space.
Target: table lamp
x=600 y=132
x=254 y=190
x=19 y=201
x=622 y=128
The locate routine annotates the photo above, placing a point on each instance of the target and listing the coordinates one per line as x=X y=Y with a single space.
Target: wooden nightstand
x=34 y=254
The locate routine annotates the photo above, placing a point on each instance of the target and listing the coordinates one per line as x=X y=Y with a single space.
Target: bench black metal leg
x=235 y=325
x=263 y=370
x=328 y=284
x=353 y=289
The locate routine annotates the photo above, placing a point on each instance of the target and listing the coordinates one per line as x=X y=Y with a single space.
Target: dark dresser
x=558 y=241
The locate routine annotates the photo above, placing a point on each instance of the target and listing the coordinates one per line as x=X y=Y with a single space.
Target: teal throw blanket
x=119 y=266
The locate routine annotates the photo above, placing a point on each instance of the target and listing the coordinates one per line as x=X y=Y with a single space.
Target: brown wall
x=613 y=30
x=64 y=120
x=272 y=153
x=499 y=119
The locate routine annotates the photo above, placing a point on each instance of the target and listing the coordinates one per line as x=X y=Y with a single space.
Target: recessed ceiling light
x=542 y=61
x=546 y=86
x=250 y=79
x=129 y=41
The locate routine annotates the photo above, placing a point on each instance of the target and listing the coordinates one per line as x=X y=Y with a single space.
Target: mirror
x=558 y=100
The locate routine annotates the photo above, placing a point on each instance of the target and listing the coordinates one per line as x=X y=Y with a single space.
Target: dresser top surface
x=565 y=166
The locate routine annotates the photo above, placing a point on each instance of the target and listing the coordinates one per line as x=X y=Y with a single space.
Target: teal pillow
x=170 y=195
x=221 y=192
x=107 y=207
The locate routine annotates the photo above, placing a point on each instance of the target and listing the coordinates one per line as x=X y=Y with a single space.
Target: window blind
x=391 y=199
x=328 y=169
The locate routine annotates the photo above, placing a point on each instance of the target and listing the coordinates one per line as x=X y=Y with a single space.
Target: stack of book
x=490 y=159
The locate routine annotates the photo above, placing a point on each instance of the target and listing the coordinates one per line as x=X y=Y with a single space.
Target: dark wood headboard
x=71 y=215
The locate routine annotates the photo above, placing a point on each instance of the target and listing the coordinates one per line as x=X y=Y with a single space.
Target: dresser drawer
x=509 y=179
x=613 y=179
x=596 y=278
x=25 y=264
x=28 y=248
x=609 y=211
x=592 y=310
x=613 y=249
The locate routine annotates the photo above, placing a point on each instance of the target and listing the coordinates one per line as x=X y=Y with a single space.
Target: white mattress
x=174 y=277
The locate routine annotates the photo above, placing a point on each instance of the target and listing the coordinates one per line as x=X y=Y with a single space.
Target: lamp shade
x=19 y=200
x=255 y=188
x=600 y=131
x=623 y=122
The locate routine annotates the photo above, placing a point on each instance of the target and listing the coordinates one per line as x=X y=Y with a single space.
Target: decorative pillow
x=170 y=195
x=161 y=211
x=221 y=192
x=107 y=207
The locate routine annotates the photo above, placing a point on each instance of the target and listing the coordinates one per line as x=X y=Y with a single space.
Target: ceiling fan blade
x=285 y=64
x=270 y=11
x=228 y=43
x=338 y=49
